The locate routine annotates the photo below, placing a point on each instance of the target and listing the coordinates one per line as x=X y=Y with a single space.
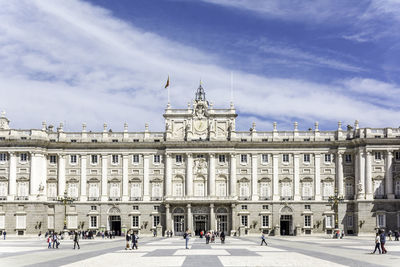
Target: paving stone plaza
x=281 y=251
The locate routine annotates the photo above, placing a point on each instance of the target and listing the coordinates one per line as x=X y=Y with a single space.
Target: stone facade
x=200 y=174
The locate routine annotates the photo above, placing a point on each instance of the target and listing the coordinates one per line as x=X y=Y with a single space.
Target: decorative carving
x=200 y=210
x=200 y=166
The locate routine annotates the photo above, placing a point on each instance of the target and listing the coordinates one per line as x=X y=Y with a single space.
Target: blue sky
x=106 y=61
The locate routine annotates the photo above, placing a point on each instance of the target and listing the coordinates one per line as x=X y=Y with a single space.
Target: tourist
x=396 y=235
x=154 y=233
x=222 y=237
x=49 y=241
x=127 y=240
x=54 y=239
x=342 y=234
x=390 y=235
x=212 y=237
x=76 y=240
x=383 y=241
x=377 y=244
x=263 y=239
x=134 y=238
x=207 y=237
x=186 y=237
x=4 y=234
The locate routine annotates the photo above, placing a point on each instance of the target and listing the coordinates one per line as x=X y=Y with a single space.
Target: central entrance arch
x=114 y=221
x=286 y=221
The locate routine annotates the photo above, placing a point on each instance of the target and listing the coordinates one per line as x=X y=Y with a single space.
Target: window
x=397 y=188
x=156 y=208
x=93 y=190
x=135 y=221
x=306 y=139
x=306 y=158
x=93 y=207
x=199 y=189
x=397 y=155
x=156 y=220
x=52 y=190
x=350 y=221
x=135 y=207
x=136 y=140
x=285 y=157
x=265 y=207
x=135 y=158
x=243 y=158
x=115 y=140
x=178 y=189
x=328 y=221
x=307 y=189
x=22 y=189
x=94 y=159
x=328 y=158
x=23 y=157
x=381 y=220
x=93 y=221
x=265 y=190
x=327 y=139
x=307 y=220
x=73 y=190
x=115 y=159
x=3 y=189
x=286 y=189
x=3 y=156
x=178 y=158
x=264 y=158
x=221 y=158
x=114 y=190
x=136 y=190
x=379 y=188
x=20 y=221
x=244 y=220
x=53 y=159
x=94 y=140
x=265 y=221
x=72 y=159
x=2 y=138
x=157 y=159
x=244 y=207
x=285 y=140
x=328 y=189
x=72 y=222
x=378 y=156
x=221 y=189
x=156 y=190
x=347 y=158
x=2 y=222
x=244 y=189
x=200 y=156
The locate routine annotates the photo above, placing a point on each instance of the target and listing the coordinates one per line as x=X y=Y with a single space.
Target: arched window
x=265 y=190
x=114 y=190
x=244 y=189
x=286 y=188
x=73 y=190
x=156 y=190
x=177 y=188
x=199 y=188
x=22 y=189
x=93 y=190
x=379 y=189
x=307 y=189
x=136 y=190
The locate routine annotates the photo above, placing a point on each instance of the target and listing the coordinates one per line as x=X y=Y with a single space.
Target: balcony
x=286 y=198
x=21 y=198
x=244 y=198
x=135 y=199
x=51 y=198
x=265 y=198
x=93 y=199
x=3 y=198
x=307 y=198
x=156 y=198
x=114 y=199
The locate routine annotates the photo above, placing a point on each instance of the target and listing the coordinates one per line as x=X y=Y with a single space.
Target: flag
x=167 y=84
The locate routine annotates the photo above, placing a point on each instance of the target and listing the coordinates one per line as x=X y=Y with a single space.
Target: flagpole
x=168 y=95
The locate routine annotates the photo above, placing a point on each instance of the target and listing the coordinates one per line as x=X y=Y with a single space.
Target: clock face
x=200 y=125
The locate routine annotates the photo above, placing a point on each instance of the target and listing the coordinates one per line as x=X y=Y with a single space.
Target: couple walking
x=380 y=240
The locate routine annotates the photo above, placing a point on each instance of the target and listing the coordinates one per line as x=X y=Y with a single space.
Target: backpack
x=184 y=236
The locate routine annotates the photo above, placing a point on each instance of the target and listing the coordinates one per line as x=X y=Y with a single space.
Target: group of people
x=53 y=239
x=132 y=239
x=380 y=240
x=169 y=233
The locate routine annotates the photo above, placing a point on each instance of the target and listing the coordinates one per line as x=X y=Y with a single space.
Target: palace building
x=200 y=174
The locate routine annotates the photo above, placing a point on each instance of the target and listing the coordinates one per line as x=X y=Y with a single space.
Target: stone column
x=61 y=174
x=234 y=219
x=233 y=176
x=168 y=220
x=389 y=175
x=275 y=176
x=339 y=172
x=361 y=175
x=146 y=180
x=368 y=177
x=211 y=178
x=43 y=175
x=189 y=174
x=125 y=183
x=189 y=218
x=212 y=218
x=34 y=177
x=83 y=178
x=13 y=176
x=168 y=175
x=317 y=158
x=254 y=177
x=296 y=165
x=104 y=179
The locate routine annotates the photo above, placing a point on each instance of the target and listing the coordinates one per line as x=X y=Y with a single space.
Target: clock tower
x=200 y=121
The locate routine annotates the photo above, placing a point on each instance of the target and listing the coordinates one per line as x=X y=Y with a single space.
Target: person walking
x=390 y=235
x=186 y=237
x=383 y=241
x=396 y=235
x=49 y=241
x=222 y=237
x=128 y=238
x=135 y=238
x=55 y=239
x=4 y=234
x=263 y=239
x=377 y=244
x=76 y=240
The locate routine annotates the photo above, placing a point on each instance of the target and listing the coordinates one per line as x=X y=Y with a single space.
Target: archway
x=114 y=221
x=286 y=221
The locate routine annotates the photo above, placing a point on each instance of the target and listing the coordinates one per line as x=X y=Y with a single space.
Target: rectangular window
x=72 y=159
x=221 y=189
x=285 y=157
x=135 y=207
x=307 y=207
x=135 y=221
x=3 y=156
x=53 y=159
x=94 y=140
x=50 y=222
x=23 y=157
x=244 y=220
x=93 y=207
x=157 y=159
x=265 y=221
x=115 y=159
x=221 y=158
x=244 y=207
x=156 y=220
x=93 y=221
x=243 y=158
x=72 y=222
x=347 y=158
x=136 y=140
x=378 y=156
x=178 y=158
x=307 y=220
x=20 y=222
x=3 y=190
x=306 y=158
x=115 y=140
x=397 y=155
x=327 y=157
x=156 y=190
x=328 y=221
x=264 y=158
x=156 y=208
x=350 y=221
x=94 y=159
x=381 y=220
x=200 y=156
x=135 y=158
x=136 y=190
x=265 y=207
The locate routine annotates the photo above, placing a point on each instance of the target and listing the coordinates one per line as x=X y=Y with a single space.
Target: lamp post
x=65 y=200
x=335 y=200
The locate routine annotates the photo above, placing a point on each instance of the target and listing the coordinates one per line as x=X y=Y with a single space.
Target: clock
x=200 y=125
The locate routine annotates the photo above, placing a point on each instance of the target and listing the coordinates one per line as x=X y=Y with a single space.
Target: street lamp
x=335 y=200
x=65 y=200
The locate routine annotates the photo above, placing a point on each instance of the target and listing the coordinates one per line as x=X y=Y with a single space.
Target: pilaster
x=317 y=159
x=212 y=218
x=83 y=196
x=168 y=175
x=339 y=172
x=125 y=189
x=233 y=176
x=189 y=218
x=361 y=175
x=104 y=179
x=189 y=174
x=254 y=177
x=61 y=174
x=146 y=180
x=389 y=175
x=275 y=176
x=368 y=176
x=296 y=166
x=211 y=180
x=13 y=176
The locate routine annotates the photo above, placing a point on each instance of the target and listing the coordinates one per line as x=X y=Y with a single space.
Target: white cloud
x=70 y=61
